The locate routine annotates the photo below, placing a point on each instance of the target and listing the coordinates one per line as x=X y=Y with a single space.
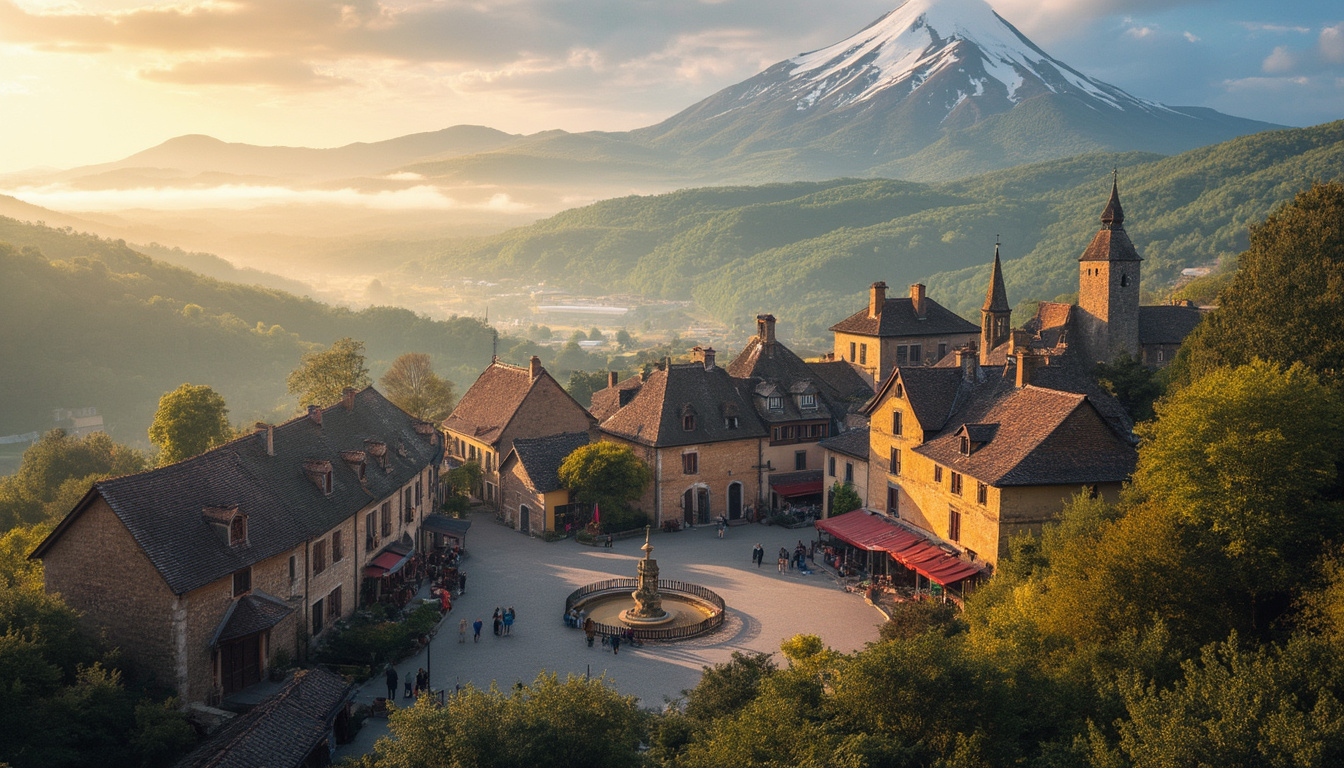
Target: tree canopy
x=322 y=376
x=56 y=471
x=190 y=420
x=845 y=499
x=412 y=386
x=606 y=474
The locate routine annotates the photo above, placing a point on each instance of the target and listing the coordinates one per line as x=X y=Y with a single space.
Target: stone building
x=695 y=426
x=530 y=481
x=203 y=571
x=845 y=458
x=507 y=402
x=905 y=332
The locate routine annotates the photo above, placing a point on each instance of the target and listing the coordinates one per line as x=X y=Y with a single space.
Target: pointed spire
x=1114 y=216
x=996 y=299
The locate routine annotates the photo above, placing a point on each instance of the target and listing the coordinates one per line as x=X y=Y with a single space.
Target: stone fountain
x=648 y=608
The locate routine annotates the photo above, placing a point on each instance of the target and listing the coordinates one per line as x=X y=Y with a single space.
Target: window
x=895 y=461
x=293 y=569
x=902 y=354
x=893 y=501
x=385 y=519
x=863 y=354
x=730 y=422
x=937 y=474
x=799 y=460
x=849 y=471
x=895 y=422
x=1093 y=491
x=370 y=529
x=418 y=489
x=851 y=351
x=981 y=493
x=1124 y=280
x=334 y=603
x=242 y=582
x=808 y=402
x=956 y=483
x=690 y=463
x=317 y=617
x=965 y=445
x=916 y=354
x=319 y=557
x=337 y=551
x=900 y=389
x=326 y=482
x=688 y=422
x=489 y=491
x=942 y=350
x=409 y=514
x=953 y=525
x=1161 y=355
x=238 y=530
x=830 y=466
x=776 y=403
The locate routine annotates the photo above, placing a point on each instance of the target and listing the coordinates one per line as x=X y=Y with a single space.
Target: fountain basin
x=690 y=610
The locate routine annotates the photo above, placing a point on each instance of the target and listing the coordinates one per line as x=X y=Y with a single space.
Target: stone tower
x=996 y=315
x=1108 y=288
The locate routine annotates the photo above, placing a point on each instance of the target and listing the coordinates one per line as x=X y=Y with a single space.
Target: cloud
x=1191 y=36
x=1254 y=26
x=1331 y=44
x=268 y=71
x=1280 y=61
x=1140 y=32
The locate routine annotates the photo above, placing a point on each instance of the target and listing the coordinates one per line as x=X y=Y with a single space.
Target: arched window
x=688 y=422
x=1124 y=280
x=238 y=530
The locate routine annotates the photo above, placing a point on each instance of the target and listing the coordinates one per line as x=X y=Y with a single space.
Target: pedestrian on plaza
x=461 y=583
x=590 y=630
x=615 y=644
x=758 y=555
x=499 y=621
x=391 y=676
x=462 y=630
x=508 y=621
x=421 y=682
x=476 y=625
x=782 y=558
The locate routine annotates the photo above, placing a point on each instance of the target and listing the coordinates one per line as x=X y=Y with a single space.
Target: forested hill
x=91 y=322
x=809 y=250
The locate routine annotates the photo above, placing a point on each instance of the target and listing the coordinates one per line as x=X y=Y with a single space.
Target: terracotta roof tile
x=898 y=319
x=541 y=457
x=655 y=415
x=488 y=406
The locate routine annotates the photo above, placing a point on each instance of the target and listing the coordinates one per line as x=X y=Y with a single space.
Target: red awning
x=390 y=562
x=859 y=528
x=790 y=490
x=874 y=533
x=374 y=572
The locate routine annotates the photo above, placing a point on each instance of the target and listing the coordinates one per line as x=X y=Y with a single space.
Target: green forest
x=809 y=250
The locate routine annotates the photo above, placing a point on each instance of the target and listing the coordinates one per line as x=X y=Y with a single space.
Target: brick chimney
x=1020 y=340
x=315 y=413
x=765 y=328
x=877 y=297
x=709 y=358
x=612 y=378
x=703 y=355
x=968 y=360
x=348 y=398
x=534 y=367
x=1027 y=363
x=917 y=301
x=262 y=426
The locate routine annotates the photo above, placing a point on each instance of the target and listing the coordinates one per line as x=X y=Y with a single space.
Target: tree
x=582 y=385
x=1134 y=384
x=322 y=376
x=844 y=498
x=912 y=618
x=624 y=338
x=725 y=688
x=1286 y=301
x=412 y=386
x=56 y=471
x=606 y=474
x=596 y=335
x=191 y=420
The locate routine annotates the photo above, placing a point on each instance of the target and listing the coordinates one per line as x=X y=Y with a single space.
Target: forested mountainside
x=91 y=322
x=809 y=250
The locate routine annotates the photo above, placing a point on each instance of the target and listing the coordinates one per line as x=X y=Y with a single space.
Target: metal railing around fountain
x=671 y=586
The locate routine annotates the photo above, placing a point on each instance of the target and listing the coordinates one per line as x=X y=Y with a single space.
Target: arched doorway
x=524 y=519
x=695 y=505
x=734 y=501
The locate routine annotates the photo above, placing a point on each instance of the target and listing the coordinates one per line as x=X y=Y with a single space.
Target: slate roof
x=775 y=371
x=1111 y=243
x=931 y=391
x=851 y=442
x=1167 y=323
x=996 y=298
x=250 y=614
x=164 y=508
x=844 y=378
x=541 y=457
x=898 y=319
x=279 y=732
x=607 y=401
x=493 y=399
x=654 y=415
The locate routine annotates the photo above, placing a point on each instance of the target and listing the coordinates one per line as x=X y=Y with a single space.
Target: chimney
x=612 y=377
x=1020 y=341
x=876 y=299
x=969 y=362
x=315 y=413
x=708 y=354
x=917 y=300
x=1027 y=362
x=348 y=398
x=262 y=426
x=765 y=328
x=534 y=367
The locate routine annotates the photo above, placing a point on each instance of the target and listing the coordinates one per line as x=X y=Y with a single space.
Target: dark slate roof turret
x=1114 y=216
x=996 y=299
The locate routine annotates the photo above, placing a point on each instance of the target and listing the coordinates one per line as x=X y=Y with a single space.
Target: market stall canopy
x=875 y=533
x=389 y=561
x=448 y=526
x=789 y=485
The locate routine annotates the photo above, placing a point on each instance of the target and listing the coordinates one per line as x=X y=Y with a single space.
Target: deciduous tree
x=322 y=376
x=605 y=473
x=56 y=471
x=191 y=420
x=412 y=386
x=845 y=499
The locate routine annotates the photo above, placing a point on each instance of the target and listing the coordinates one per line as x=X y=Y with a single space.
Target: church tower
x=995 y=316
x=1108 y=287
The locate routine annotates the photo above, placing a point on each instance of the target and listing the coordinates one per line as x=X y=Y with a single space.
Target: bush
x=914 y=618
x=619 y=520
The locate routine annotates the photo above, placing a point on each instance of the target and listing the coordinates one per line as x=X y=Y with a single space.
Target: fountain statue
x=648 y=603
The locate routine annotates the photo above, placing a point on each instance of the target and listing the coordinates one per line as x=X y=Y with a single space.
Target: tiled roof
x=1110 y=245
x=250 y=614
x=898 y=319
x=279 y=732
x=608 y=401
x=162 y=508
x=785 y=376
x=489 y=405
x=844 y=378
x=931 y=392
x=541 y=457
x=1167 y=323
x=654 y=416
x=851 y=442
x=996 y=298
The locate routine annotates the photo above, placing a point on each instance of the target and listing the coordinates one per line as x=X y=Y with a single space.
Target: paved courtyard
x=505 y=568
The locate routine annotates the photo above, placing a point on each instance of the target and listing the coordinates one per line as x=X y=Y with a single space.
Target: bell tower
x=1108 y=287
x=996 y=314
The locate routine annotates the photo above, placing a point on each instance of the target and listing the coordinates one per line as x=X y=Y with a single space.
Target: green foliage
x=190 y=421
x=549 y=724
x=322 y=376
x=16 y=570
x=606 y=474
x=1286 y=301
x=412 y=386
x=582 y=385
x=1131 y=382
x=912 y=618
x=457 y=484
x=725 y=688
x=57 y=471
x=373 y=641
x=844 y=499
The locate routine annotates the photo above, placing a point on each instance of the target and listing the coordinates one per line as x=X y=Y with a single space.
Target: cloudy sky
x=84 y=81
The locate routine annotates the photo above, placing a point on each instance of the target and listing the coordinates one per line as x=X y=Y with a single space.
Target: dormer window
x=238 y=530
x=730 y=422
x=688 y=422
x=965 y=445
x=320 y=473
x=775 y=403
x=807 y=402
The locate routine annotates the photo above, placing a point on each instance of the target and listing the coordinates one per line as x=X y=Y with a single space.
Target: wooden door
x=240 y=663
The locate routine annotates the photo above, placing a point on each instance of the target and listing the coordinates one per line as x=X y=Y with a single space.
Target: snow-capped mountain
x=931 y=88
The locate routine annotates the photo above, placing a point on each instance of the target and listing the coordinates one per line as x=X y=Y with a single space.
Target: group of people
x=786 y=561
x=414 y=686
x=609 y=640
x=503 y=621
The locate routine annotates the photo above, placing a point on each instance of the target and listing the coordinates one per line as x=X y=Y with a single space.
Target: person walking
x=499 y=621
x=476 y=625
x=590 y=630
x=508 y=621
x=391 y=676
x=782 y=558
x=462 y=630
x=461 y=583
x=758 y=555
x=421 y=682
x=615 y=644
